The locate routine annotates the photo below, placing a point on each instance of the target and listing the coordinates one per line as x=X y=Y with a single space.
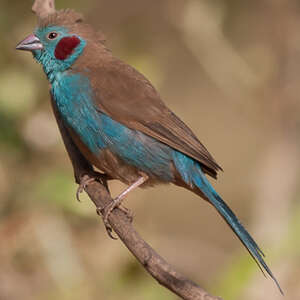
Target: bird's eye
x=52 y=35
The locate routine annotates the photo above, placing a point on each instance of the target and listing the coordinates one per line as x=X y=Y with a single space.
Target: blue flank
x=192 y=174
x=72 y=93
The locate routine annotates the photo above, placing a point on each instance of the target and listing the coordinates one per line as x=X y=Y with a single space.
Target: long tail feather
x=192 y=174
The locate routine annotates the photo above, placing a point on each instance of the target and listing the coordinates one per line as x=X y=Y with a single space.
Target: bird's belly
x=111 y=164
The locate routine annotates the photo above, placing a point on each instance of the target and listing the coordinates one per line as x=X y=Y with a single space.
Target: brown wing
x=128 y=97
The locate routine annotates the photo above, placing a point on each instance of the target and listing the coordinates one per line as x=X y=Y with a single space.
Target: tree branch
x=43 y=7
x=119 y=221
x=150 y=260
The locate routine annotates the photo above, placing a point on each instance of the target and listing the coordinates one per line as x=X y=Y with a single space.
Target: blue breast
x=73 y=95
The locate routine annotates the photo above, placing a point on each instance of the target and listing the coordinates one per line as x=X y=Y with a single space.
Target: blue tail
x=192 y=174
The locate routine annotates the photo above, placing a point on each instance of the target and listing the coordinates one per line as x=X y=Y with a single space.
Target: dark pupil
x=52 y=35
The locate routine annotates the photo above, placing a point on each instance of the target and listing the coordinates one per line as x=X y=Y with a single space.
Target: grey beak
x=30 y=43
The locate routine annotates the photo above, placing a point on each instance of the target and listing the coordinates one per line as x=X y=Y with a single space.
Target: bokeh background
x=230 y=70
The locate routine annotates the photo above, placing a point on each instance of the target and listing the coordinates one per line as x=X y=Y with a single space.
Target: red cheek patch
x=65 y=47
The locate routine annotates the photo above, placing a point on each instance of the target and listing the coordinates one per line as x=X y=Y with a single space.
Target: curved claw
x=109 y=208
x=78 y=192
x=105 y=212
x=101 y=211
x=83 y=184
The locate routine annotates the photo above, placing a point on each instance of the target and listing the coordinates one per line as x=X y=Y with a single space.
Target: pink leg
x=106 y=211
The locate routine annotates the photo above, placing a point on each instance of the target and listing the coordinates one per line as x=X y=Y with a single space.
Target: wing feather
x=128 y=97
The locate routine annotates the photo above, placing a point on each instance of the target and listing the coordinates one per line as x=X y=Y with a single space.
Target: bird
x=117 y=120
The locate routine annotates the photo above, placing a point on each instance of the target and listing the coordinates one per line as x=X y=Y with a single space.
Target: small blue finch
x=117 y=121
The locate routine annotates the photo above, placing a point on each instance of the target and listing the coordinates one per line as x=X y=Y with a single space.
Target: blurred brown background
x=230 y=70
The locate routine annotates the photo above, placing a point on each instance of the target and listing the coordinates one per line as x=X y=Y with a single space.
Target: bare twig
x=119 y=221
x=43 y=7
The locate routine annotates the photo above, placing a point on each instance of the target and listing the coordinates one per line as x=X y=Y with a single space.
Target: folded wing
x=129 y=98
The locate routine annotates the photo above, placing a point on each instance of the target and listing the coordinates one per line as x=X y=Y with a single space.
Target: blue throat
x=54 y=67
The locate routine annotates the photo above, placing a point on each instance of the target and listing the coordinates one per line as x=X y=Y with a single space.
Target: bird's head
x=59 y=40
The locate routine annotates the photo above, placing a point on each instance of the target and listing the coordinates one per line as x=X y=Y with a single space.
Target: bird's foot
x=84 y=182
x=107 y=210
x=86 y=179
